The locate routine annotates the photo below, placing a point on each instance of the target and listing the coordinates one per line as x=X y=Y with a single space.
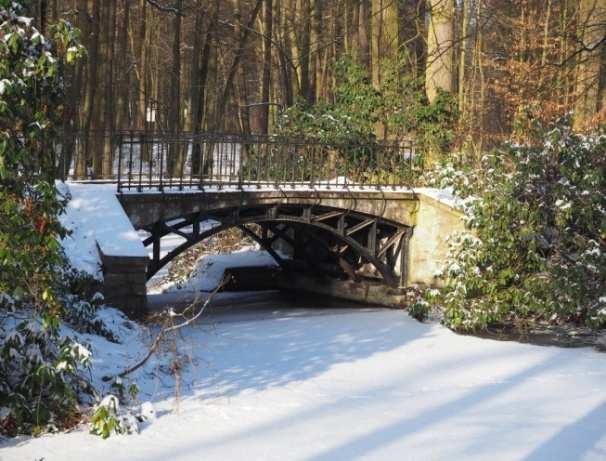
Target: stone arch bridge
x=338 y=219
x=361 y=244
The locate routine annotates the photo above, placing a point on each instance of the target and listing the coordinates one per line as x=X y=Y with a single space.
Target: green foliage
x=399 y=107
x=406 y=111
x=418 y=307
x=455 y=174
x=350 y=119
x=39 y=378
x=31 y=98
x=537 y=246
x=104 y=421
x=110 y=418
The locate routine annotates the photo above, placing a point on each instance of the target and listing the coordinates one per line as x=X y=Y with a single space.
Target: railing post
x=130 y=159
x=140 y=182
x=203 y=149
x=119 y=145
x=161 y=167
x=240 y=165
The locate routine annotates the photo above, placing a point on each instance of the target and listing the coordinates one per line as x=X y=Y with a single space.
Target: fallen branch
x=167 y=329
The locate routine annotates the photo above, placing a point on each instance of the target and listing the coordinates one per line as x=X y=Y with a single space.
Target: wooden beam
x=329 y=215
x=358 y=227
x=390 y=242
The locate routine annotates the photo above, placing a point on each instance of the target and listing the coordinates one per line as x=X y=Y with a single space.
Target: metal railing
x=164 y=161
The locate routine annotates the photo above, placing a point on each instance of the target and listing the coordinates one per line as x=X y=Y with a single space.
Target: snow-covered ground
x=268 y=376
x=262 y=381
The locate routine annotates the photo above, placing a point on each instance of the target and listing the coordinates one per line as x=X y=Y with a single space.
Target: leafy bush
x=81 y=315
x=31 y=98
x=349 y=120
x=407 y=113
x=536 y=250
x=456 y=176
x=40 y=378
x=398 y=109
x=109 y=417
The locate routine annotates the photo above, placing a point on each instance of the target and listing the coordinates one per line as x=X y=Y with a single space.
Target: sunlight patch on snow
x=342 y=384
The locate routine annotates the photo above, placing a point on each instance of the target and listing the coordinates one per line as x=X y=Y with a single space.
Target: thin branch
x=165 y=8
x=165 y=329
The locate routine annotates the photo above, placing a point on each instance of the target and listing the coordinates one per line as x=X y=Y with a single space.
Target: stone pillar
x=124 y=283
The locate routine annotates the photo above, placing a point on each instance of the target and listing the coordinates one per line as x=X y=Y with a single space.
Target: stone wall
x=124 y=283
x=435 y=222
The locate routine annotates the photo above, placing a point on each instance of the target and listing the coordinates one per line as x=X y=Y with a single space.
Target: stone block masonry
x=124 y=283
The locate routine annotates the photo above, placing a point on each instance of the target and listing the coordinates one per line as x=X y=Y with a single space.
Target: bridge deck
x=148 y=206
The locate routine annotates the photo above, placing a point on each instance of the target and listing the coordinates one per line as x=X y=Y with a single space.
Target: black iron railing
x=164 y=161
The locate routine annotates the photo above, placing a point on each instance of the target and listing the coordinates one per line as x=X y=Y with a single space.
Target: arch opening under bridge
x=324 y=240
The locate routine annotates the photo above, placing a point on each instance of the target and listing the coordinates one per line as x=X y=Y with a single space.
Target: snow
x=4 y=83
x=210 y=269
x=96 y=218
x=273 y=376
x=80 y=247
x=445 y=196
x=167 y=244
x=265 y=382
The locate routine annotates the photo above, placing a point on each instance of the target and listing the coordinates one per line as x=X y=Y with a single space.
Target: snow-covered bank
x=261 y=382
x=97 y=221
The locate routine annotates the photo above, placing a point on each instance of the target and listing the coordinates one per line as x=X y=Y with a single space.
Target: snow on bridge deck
x=98 y=223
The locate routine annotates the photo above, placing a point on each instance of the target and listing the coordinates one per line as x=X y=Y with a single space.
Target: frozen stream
x=268 y=377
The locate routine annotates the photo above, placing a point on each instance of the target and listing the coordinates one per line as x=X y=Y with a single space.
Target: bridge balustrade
x=167 y=161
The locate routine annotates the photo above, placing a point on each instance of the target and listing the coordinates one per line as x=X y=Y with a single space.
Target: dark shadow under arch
x=354 y=240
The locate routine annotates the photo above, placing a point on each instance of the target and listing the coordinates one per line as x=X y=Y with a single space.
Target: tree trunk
x=316 y=46
x=108 y=118
x=463 y=56
x=90 y=108
x=228 y=85
x=385 y=35
x=285 y=56
x=142 y=66
x=266 y=78
x=592 y=29
x=363 y=33
x=174 y=159
x=376 y=34
x=123 y=119
x=439 y=69
x=304 y=51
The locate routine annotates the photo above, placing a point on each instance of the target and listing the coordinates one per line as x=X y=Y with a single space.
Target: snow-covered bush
x=109 y=417
x=39 y=371
x=454 y=175
x=81 y=300
x=31 y=101
x=40 y=375
x=536 y=250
